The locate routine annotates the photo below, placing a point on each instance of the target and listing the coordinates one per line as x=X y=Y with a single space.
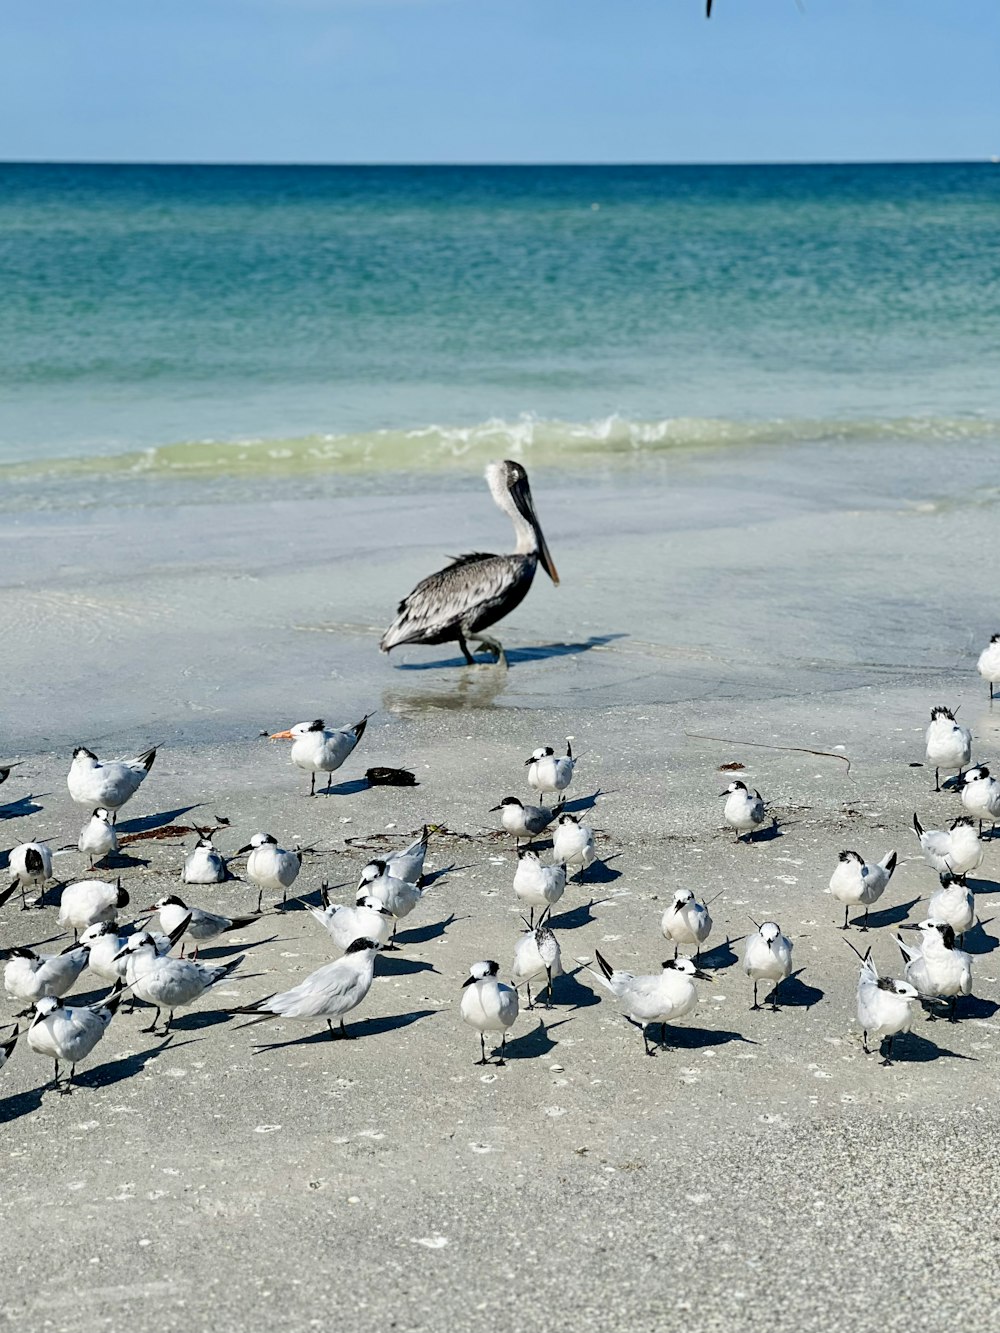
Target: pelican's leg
x=494 y=646
x=469 y=659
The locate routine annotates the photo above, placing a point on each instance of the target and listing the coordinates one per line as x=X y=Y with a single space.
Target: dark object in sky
x=390 y=777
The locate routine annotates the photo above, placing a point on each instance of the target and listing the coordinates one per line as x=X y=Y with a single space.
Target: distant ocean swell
x=464 y=448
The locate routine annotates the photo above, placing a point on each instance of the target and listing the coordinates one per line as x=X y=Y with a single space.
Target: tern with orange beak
x=317 y=750
x=475 y=591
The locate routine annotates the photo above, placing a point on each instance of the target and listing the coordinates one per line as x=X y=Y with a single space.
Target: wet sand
x=757 y=1173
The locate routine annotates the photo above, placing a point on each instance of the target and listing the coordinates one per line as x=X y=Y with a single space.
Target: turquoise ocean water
x=169 y=322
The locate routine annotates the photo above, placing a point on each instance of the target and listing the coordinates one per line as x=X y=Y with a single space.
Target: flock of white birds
x=141 y=964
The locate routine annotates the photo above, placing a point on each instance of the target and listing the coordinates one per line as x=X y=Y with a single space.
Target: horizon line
x=775 y=162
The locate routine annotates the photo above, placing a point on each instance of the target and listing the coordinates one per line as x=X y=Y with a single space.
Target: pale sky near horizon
x=499 y=80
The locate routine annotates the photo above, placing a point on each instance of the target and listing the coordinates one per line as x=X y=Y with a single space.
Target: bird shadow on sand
x=975 y=1006
x=433 y=876
x=694 y=1039
x=720 y=956
x=114 y=1071
x=226 y=950
x=396 y=965
x=531 y=1045
x=160 y=820
x=576 y=916
x=910 y=1048
x=349 y=788
x=568 y=993
x=888 y=916
x=367 y=1027
x=201 y=1018
x=975 y=940
x=795 y=994
x=580 y=803
x=601 y=872
x=118 y=861
x=515 y=656
x=770 y=834
x=102 y=1076
x=983 y=886
x=314 y=899
x=23 y=806
x=433 y=931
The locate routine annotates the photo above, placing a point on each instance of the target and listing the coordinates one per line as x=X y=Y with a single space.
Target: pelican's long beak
x=281 y=736
x=521 y=495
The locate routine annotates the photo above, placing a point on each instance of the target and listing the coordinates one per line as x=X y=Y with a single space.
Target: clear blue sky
x=498 y=80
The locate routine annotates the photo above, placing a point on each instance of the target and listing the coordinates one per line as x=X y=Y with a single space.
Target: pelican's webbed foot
x=493 y=646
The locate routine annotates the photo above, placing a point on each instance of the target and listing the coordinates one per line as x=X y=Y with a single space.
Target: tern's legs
x=482 y=1047
x=152 y=1026
x=503 y=1049
x=886 y=1050
x=527 y=987
x=951 y=1011
x=864 y=1041
x=755 y=1005
x=642 y=1029
x=864 y=924
x=774 y=998
x=548 y=973
x=847 y=912
x=312 y=784
x=937 y=779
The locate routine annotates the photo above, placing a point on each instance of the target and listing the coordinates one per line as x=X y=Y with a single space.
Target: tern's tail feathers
x=907 y=950
x=5 y=893
x=888 y=864
x=239 y=922
x=259 y=1007
x=223 y=970
x=359 y=727
x=113 y=998
x=918 y=828
x=603 y=964
x=144 y=760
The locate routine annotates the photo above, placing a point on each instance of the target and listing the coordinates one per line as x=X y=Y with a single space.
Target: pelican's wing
x=450 y=597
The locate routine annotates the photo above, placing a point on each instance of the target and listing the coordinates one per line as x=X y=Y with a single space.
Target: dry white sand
x=763 y=1172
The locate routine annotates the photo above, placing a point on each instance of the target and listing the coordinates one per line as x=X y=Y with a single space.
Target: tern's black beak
x=703 y=976
x=468 y=981
x=247 y=848
x=495 y=807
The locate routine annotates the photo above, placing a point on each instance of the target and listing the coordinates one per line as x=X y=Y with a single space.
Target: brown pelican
x=476 y=590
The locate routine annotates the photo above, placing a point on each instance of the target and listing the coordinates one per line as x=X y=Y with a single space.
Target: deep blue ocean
x=275 y=319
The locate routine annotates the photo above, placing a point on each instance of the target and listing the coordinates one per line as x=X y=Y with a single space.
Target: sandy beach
x=763 y=1171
